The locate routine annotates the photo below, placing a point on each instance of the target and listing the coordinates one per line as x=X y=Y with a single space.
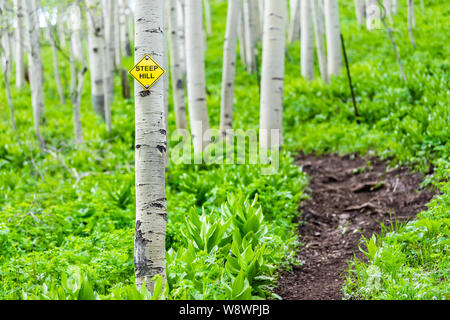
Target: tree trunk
x=229 y=67
x=176 y=69
x=207 y=17
x=387 y=4
x=56 y=73
x=395 y=6
x=124 y=34
x=411 y=22
x=318 y=31
x=108 y=63
x=20 y=44
x=294 y=25
x=307 y=41
x=249 y=27
x=34 y=54
x=360 y=11
x=150 y=233
x=77 y=70
x=181 y=19
x=272 y=80
x=242 y=36
x=96 y=55
x=333 y=37
x=198 y=112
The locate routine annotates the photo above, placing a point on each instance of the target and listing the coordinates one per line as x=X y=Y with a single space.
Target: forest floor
x=350 y=196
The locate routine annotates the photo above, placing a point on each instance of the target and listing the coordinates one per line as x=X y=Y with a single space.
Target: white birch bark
x=117 y=56
x=272 y=78
x=294 y=31
x=75 y=27
x=124 y=34
x=56 y=72
x=360 y=11
x=35 y=61
x=176 y=68
x=249 y=29
x=96 y=55
x=20 y=44
x=181 y=35
x=387 y=4
x=207 y=17
x=195 y=64
x=242 y=36
x=229 y=67
x=150 y=233
x=411 y=22
x=307 y=40
x=319 y=36
x=108 y=63
x=60 y=25
x=395 y=6
x=333 y=37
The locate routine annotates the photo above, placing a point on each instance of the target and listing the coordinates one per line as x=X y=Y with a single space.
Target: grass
x=72 y=216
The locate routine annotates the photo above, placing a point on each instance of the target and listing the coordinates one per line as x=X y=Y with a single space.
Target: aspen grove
x=224 y=150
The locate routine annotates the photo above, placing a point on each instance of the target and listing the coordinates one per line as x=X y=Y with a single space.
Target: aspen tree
x=60 y=17
x=207 y=17
x=176 y=69
x=77 y=70
x=320 y=46
x=387 y=4
x=150 y=232
x=307 y=40
x=198 y=113
x=116 y=36
x=229 y=67
x=395 y=6
x=333 y=37
x=249 y=29
x=108 y=62
x=96 y=55
x=411 y=22
x=20 y=44
x=35 y=61
x=294 y=30
x=360 y=11
x=124 y=34
x=242 y=36
x=5 y=60
x=181 y=34
x=56 y=73
x=272 y=78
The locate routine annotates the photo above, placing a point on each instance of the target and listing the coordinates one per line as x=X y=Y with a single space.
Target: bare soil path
x=350 y=196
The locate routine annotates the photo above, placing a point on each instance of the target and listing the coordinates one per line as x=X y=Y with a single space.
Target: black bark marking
x=161 y=149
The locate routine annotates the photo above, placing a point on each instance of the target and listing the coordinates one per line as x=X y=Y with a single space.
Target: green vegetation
x=67 y=217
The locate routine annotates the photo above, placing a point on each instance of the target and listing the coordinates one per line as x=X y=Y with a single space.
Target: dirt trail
x=349 y=196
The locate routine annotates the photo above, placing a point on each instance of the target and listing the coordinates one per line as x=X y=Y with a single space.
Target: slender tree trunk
x=387 y=4
x=242 y=36
x=321 y=55
x=176 y=69
x=411 y=22
x=207 y=17
x=6 y=60
x=395 y=6
x=229 y=67
x=96 y=55
x=108 y=63
x=60 y=25
x=198 y=112
x=150 y=234
x=272 y=80
x=333 y=37
x=124 y=34
x=37 y=94
x=117 y=55
x=181 y=19
x=56 y=73
x=294 y=31
x=20 y=44
x=360 y=11
x=249 y=28
x=307 y=41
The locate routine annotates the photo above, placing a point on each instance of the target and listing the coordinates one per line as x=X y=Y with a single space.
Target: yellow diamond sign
x=147 y=72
